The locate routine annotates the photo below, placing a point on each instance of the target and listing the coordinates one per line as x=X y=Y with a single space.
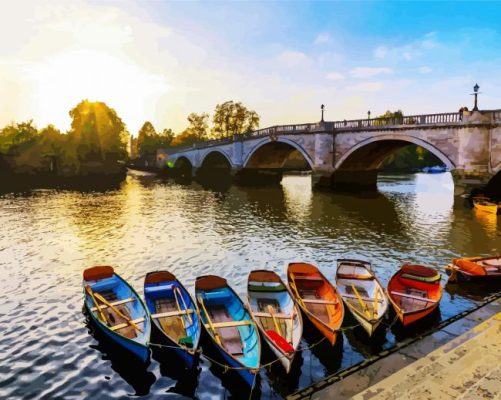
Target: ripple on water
x=46 y=348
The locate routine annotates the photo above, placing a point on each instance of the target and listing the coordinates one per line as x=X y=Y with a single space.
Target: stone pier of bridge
x=347 y=155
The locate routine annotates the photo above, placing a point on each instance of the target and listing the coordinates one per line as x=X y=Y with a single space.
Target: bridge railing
x=425 y=119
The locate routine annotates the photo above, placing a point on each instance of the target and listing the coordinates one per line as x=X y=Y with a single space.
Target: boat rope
x=226 y=367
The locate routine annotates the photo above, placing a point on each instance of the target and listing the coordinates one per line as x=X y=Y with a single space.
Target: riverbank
x=381 y=374
x=18 y=182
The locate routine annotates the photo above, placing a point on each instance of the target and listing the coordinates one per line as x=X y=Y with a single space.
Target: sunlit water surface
x=47 y=237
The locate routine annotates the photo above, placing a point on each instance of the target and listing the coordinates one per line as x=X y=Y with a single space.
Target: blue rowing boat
x=229 y=325
x=173 y=312
x=117 y=310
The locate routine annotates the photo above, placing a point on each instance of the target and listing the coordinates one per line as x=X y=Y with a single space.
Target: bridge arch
x=215 y=157
x=183 y=168
x=370 y=153
x=274 y=153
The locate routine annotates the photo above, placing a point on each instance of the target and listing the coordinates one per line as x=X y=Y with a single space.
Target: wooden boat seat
x=114 y=303
x=410 y=296
x=320 y=301
x=172 y=313
x=229 y=324
x=308 y=278
x=268 y=315
x=355 y=276
x=352 y=296
x=125 y=324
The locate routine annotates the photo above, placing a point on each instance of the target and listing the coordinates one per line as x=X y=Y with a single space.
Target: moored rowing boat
x=229 y=325
x=276 y=314
x=362 y=293
x=474 y=268
x=173 y=312
x=317 y=297
x=415 y=292
x=117 y=310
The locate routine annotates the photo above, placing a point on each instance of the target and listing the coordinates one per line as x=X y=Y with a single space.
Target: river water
x=47 y=238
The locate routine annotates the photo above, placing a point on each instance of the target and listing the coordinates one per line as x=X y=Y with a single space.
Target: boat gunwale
x=252 y=370
x=374 y=322
x=404 y=313
x=193 y=350
x=108 y=329
x=289 y=356
x=309 y=314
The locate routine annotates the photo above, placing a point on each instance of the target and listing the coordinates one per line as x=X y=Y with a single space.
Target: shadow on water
x=329 y=356
x=360 y=340
x=277 y=378
x=476 y=291
x=230 y=380
x=172 y=366
x=130 y=368
x=418 y=328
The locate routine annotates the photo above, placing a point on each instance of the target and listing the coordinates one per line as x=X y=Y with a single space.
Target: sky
x=159 y=61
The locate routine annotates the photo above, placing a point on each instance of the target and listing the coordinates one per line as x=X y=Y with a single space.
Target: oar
x=179 y=309
x=299 y=298
x=361 y=301
x=184 y=303
x=129 y=321
x=91 y=294
x=270 y=310
x=376 y=302
x=216 y=336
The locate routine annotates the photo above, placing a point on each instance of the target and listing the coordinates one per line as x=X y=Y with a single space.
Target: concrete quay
x=458 y=359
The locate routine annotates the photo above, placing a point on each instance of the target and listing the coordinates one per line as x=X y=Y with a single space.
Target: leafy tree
x=185 y=138
x=165 y=138
x=146 y=139
x=390 y=118
x=231 y=118
x=198 y=125
x=17 y=134
x=98 y=132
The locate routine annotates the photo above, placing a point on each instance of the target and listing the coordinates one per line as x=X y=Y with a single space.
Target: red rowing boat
x=317 y=297
x=474 y=268
x=414 y=291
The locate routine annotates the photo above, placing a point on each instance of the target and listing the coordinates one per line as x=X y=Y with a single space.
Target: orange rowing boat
x=317 y=297
x=474 y=268
x=414 y=291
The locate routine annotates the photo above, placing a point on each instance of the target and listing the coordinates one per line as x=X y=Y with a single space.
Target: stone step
x=487 y=387
x=448 y=372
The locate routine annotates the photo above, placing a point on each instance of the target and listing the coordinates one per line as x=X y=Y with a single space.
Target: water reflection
x=131 y=369
x=50 y=236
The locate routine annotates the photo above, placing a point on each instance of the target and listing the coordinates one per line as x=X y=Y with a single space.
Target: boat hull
x=323 y=292
x=141 y=351
x=358 y=286
x=224 y=317
x=160 y=286
x=474 y=269
x=99 y=279
x=426 y=290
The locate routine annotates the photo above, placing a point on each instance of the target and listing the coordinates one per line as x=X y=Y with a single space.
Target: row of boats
x=273 y=309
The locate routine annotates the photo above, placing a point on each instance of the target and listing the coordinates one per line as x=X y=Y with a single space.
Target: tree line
x=96 y=142
x=229 y=118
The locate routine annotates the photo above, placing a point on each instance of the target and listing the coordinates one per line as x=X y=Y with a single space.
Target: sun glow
x=64 y=80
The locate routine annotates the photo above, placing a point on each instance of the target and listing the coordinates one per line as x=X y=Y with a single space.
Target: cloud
x=380 y=52
x=322 y=38
x=409 y=51
x=424 y=70
x=368 y=72
x=334 y=76
x=291 y=58
x=366 y=87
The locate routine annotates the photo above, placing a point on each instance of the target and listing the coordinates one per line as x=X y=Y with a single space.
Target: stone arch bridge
x=347 y=155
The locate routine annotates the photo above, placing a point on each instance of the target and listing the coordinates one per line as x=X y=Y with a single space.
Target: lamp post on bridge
x=475 y=93
x=368 y=117
x=322 y=107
